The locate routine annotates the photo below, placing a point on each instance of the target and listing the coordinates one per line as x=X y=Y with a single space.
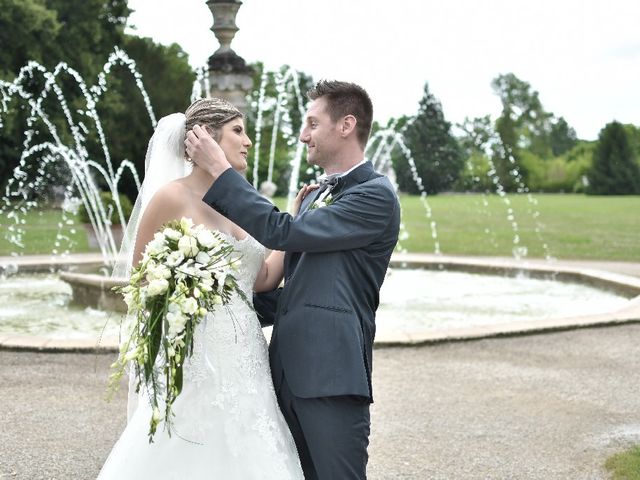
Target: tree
x=90 y=30
x=633 y=134
x=478 y=135
x=437 y=155
x=82 y=34
x=614 y=170
x=521 y=125
x=524 y=124
x=561 y=137
x=28 y=31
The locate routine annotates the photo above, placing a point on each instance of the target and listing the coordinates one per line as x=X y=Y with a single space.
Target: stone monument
x=229 y=75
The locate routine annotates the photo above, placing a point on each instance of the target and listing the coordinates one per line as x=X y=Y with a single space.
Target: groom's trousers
x=331 y=434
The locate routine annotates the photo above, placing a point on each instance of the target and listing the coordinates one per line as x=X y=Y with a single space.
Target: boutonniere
x=322 y=201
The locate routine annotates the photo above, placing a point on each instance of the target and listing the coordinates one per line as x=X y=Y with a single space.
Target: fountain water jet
x=75 y=158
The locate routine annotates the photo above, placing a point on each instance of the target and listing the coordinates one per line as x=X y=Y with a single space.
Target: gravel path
x=550 y=406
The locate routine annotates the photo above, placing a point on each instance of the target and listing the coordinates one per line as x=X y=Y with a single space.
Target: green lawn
x=41 y=229
x=625 y=465
x=572 y=226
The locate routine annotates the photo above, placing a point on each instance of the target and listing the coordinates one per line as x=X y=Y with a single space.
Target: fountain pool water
x=411 y=300
x=39 y=305
x=425 y=300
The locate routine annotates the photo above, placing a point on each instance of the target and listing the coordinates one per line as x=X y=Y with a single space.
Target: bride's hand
x=205 y=152
x=304 y=191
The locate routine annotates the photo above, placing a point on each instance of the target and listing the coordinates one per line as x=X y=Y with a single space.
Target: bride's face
x=235 y=144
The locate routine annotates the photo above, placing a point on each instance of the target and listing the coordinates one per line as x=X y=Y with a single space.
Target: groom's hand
x=205 y=152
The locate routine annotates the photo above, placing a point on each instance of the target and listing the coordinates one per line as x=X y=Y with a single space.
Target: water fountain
x=28 y=178
x=227 y=76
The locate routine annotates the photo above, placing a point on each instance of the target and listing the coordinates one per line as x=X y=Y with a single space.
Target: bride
x=227 y=422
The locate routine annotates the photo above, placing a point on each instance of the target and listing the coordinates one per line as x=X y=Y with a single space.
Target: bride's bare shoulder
x=169 y=199
x=172 y=192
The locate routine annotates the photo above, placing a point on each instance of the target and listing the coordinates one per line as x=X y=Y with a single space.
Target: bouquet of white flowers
x=185 y=272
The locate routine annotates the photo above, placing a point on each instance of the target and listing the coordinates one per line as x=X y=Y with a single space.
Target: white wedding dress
x=227 y=421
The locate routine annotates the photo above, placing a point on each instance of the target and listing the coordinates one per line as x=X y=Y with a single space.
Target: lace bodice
x=231 y=334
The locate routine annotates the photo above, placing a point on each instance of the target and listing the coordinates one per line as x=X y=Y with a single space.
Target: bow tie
x=330 y=180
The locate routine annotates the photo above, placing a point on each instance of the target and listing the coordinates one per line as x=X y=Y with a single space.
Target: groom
x=337 y=252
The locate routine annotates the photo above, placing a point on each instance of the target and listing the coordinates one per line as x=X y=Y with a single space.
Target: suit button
x=284 y=311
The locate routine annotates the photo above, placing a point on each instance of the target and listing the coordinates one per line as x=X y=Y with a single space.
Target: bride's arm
x=162 y=208
x=271 y=273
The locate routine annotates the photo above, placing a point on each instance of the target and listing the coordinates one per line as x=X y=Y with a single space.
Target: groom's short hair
x=344 y=98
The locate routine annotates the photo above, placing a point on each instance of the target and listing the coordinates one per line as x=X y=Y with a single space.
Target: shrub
x=109 y=205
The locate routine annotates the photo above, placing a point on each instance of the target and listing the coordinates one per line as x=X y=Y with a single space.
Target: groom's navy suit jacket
x=336 y=260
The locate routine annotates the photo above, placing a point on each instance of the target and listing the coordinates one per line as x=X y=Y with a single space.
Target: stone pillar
x=229 y=76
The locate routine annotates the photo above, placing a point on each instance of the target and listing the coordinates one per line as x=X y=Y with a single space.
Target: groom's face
x=320 y=134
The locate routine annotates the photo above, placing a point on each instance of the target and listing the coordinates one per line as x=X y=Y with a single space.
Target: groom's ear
x=348 y=125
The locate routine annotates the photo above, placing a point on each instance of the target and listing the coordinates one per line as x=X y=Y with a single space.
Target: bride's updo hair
x=212 y=113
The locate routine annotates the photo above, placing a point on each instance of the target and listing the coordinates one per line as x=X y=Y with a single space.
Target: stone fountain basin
x=95 y=291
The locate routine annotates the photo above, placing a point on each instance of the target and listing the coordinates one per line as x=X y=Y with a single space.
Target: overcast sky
x=582 y=56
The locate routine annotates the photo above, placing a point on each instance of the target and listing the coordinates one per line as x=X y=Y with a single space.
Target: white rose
x=186 y=224
x=157 y=287
x=158 y=271
x=202 y=257
x=197 y=229
x=174 y=331
x=176 y=322
x=173 y=306
x=207 y=239
x=156 y=245
x=190 y=306
x=162 y=271
x=206 y=284
x=174 y=258
x=172 y=234
x=188 y=246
